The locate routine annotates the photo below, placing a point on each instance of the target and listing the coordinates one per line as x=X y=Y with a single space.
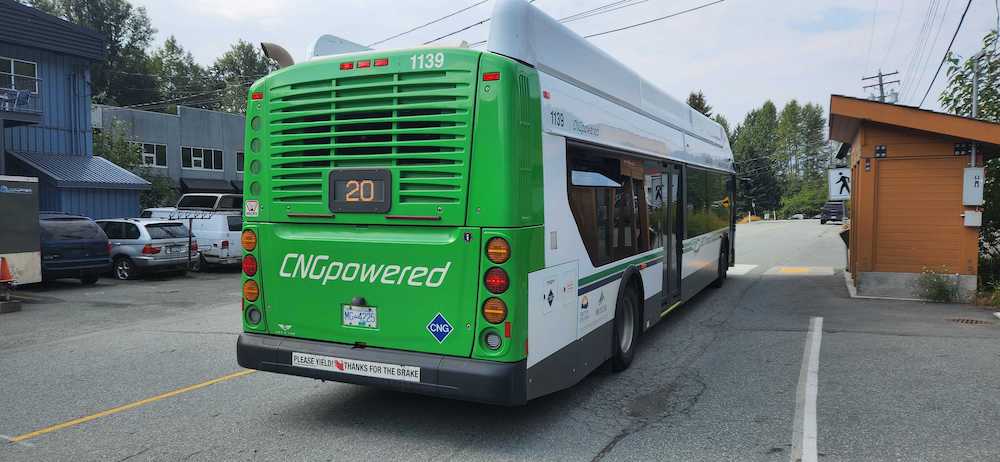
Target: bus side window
x=609 y=200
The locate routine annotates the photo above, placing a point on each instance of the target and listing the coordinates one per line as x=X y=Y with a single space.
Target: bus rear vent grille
x=414 y=124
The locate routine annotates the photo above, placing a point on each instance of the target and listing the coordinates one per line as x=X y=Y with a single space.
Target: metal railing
x=20 y=94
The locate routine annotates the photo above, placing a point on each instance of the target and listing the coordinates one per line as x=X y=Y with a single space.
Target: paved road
x=716 y=381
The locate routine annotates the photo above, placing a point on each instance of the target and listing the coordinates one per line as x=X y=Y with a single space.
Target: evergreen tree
x=699 y=103
x=754 y=147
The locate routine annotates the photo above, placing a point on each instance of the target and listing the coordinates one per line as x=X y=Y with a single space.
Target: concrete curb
x=854 y=292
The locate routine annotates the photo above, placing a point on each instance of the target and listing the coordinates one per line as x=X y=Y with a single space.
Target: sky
x=740 y=53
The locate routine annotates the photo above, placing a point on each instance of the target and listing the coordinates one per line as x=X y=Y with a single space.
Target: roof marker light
x=364 y=64
x=346 y=66
x=379 y=62
x=491 y=76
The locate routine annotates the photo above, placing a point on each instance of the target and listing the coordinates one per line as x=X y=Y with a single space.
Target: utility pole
x=975 y=99
x=881 y=83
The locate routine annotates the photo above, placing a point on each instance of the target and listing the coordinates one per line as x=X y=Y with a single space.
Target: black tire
x=89 y=279
x=626 y=329
x=123 y=269
x=723 y=269
x=822 y=222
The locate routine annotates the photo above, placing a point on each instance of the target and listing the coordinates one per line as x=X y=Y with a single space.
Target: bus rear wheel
x=626 y=329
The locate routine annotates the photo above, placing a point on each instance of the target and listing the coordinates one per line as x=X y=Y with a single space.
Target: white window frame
x=198 y=162
x=9 y=73
x=145 y=155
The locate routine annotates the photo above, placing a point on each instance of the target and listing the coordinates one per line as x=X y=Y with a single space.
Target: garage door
x=918 y=221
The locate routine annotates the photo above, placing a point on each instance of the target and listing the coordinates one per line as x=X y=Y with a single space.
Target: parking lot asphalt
x=146 y=370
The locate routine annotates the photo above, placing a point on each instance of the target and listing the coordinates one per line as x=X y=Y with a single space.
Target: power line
x=918 y=48
x=442 y=18
x=946 y=53
x=871 y=36
x=599 y=10
x=895 y=29
x=921 y=70
x=638 y=24
x=174 y=100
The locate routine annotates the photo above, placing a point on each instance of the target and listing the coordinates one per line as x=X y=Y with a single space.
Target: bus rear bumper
x=444 y=376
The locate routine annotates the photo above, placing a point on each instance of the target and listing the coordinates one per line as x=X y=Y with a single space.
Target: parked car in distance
x=832 y=211
x=142 y=245
x=73 y=246
x=211 y=201
x=217 y=233
x=798 y=216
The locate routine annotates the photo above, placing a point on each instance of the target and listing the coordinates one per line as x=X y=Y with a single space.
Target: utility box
x=973 y=219
x=972 y=186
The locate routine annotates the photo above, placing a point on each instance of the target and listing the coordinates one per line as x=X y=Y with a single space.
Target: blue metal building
x=45 y=128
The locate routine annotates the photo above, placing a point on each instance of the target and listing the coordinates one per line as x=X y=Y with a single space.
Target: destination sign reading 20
x=360 y=190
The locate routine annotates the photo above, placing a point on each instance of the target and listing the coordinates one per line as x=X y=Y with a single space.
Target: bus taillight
x=497 y=280
x=248 y=240
x=497 y=250
x=249 y=265
x=494 y=310
x=251 y=290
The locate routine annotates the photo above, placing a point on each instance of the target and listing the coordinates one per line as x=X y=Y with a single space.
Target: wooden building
x=909 y=170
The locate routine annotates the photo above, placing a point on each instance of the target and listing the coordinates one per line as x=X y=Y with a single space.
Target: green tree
x=789 y=142
x=126 y=75
x=697 y=101
x=236 y=69
x=754 y=147
x=721 y=120
x=180 y=76
x=957 y=96
x=114 y=144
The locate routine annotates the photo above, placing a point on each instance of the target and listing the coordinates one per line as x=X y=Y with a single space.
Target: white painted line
x=741 y=269
x=804 y=428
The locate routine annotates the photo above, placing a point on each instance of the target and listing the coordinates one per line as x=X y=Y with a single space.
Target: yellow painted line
x=142 y=402
x=793 y=270
x=668 y=310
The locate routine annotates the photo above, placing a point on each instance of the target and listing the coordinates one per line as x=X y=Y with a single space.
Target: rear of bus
x=393 y=209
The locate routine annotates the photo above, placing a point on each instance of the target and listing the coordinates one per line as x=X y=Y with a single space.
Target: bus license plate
x=361 y=316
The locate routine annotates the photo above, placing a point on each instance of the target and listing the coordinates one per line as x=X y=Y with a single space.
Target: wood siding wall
x=906 y=208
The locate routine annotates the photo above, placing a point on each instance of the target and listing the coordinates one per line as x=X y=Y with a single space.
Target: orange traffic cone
x=5 y=275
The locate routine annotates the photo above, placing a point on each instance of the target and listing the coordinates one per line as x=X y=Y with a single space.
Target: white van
x=217 y=233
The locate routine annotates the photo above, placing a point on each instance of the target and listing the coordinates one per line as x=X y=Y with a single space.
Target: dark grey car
x=140 y=245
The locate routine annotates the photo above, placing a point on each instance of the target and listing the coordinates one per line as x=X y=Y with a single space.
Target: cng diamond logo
x=439 y=328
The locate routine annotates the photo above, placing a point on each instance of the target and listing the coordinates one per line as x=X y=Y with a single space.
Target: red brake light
x=491 y=76
x=225 y=244
x=109 y=246
x=249 y=265
x=257 y=95
x=149 y=249
x=379 y=62
x=497 y=280
x=364 y=64
x=346 y=66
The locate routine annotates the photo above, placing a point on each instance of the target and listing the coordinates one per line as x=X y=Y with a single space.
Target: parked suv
x=218 y=233
x=73 y=247
x=832 y=211
x=148 y=245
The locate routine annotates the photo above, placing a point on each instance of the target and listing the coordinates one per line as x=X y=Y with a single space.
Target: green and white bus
x=481 y=225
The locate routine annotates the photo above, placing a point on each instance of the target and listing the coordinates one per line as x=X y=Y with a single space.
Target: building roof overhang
x=848 y=113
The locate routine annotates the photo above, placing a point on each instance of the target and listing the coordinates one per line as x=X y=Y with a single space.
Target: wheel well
x=632 y=279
